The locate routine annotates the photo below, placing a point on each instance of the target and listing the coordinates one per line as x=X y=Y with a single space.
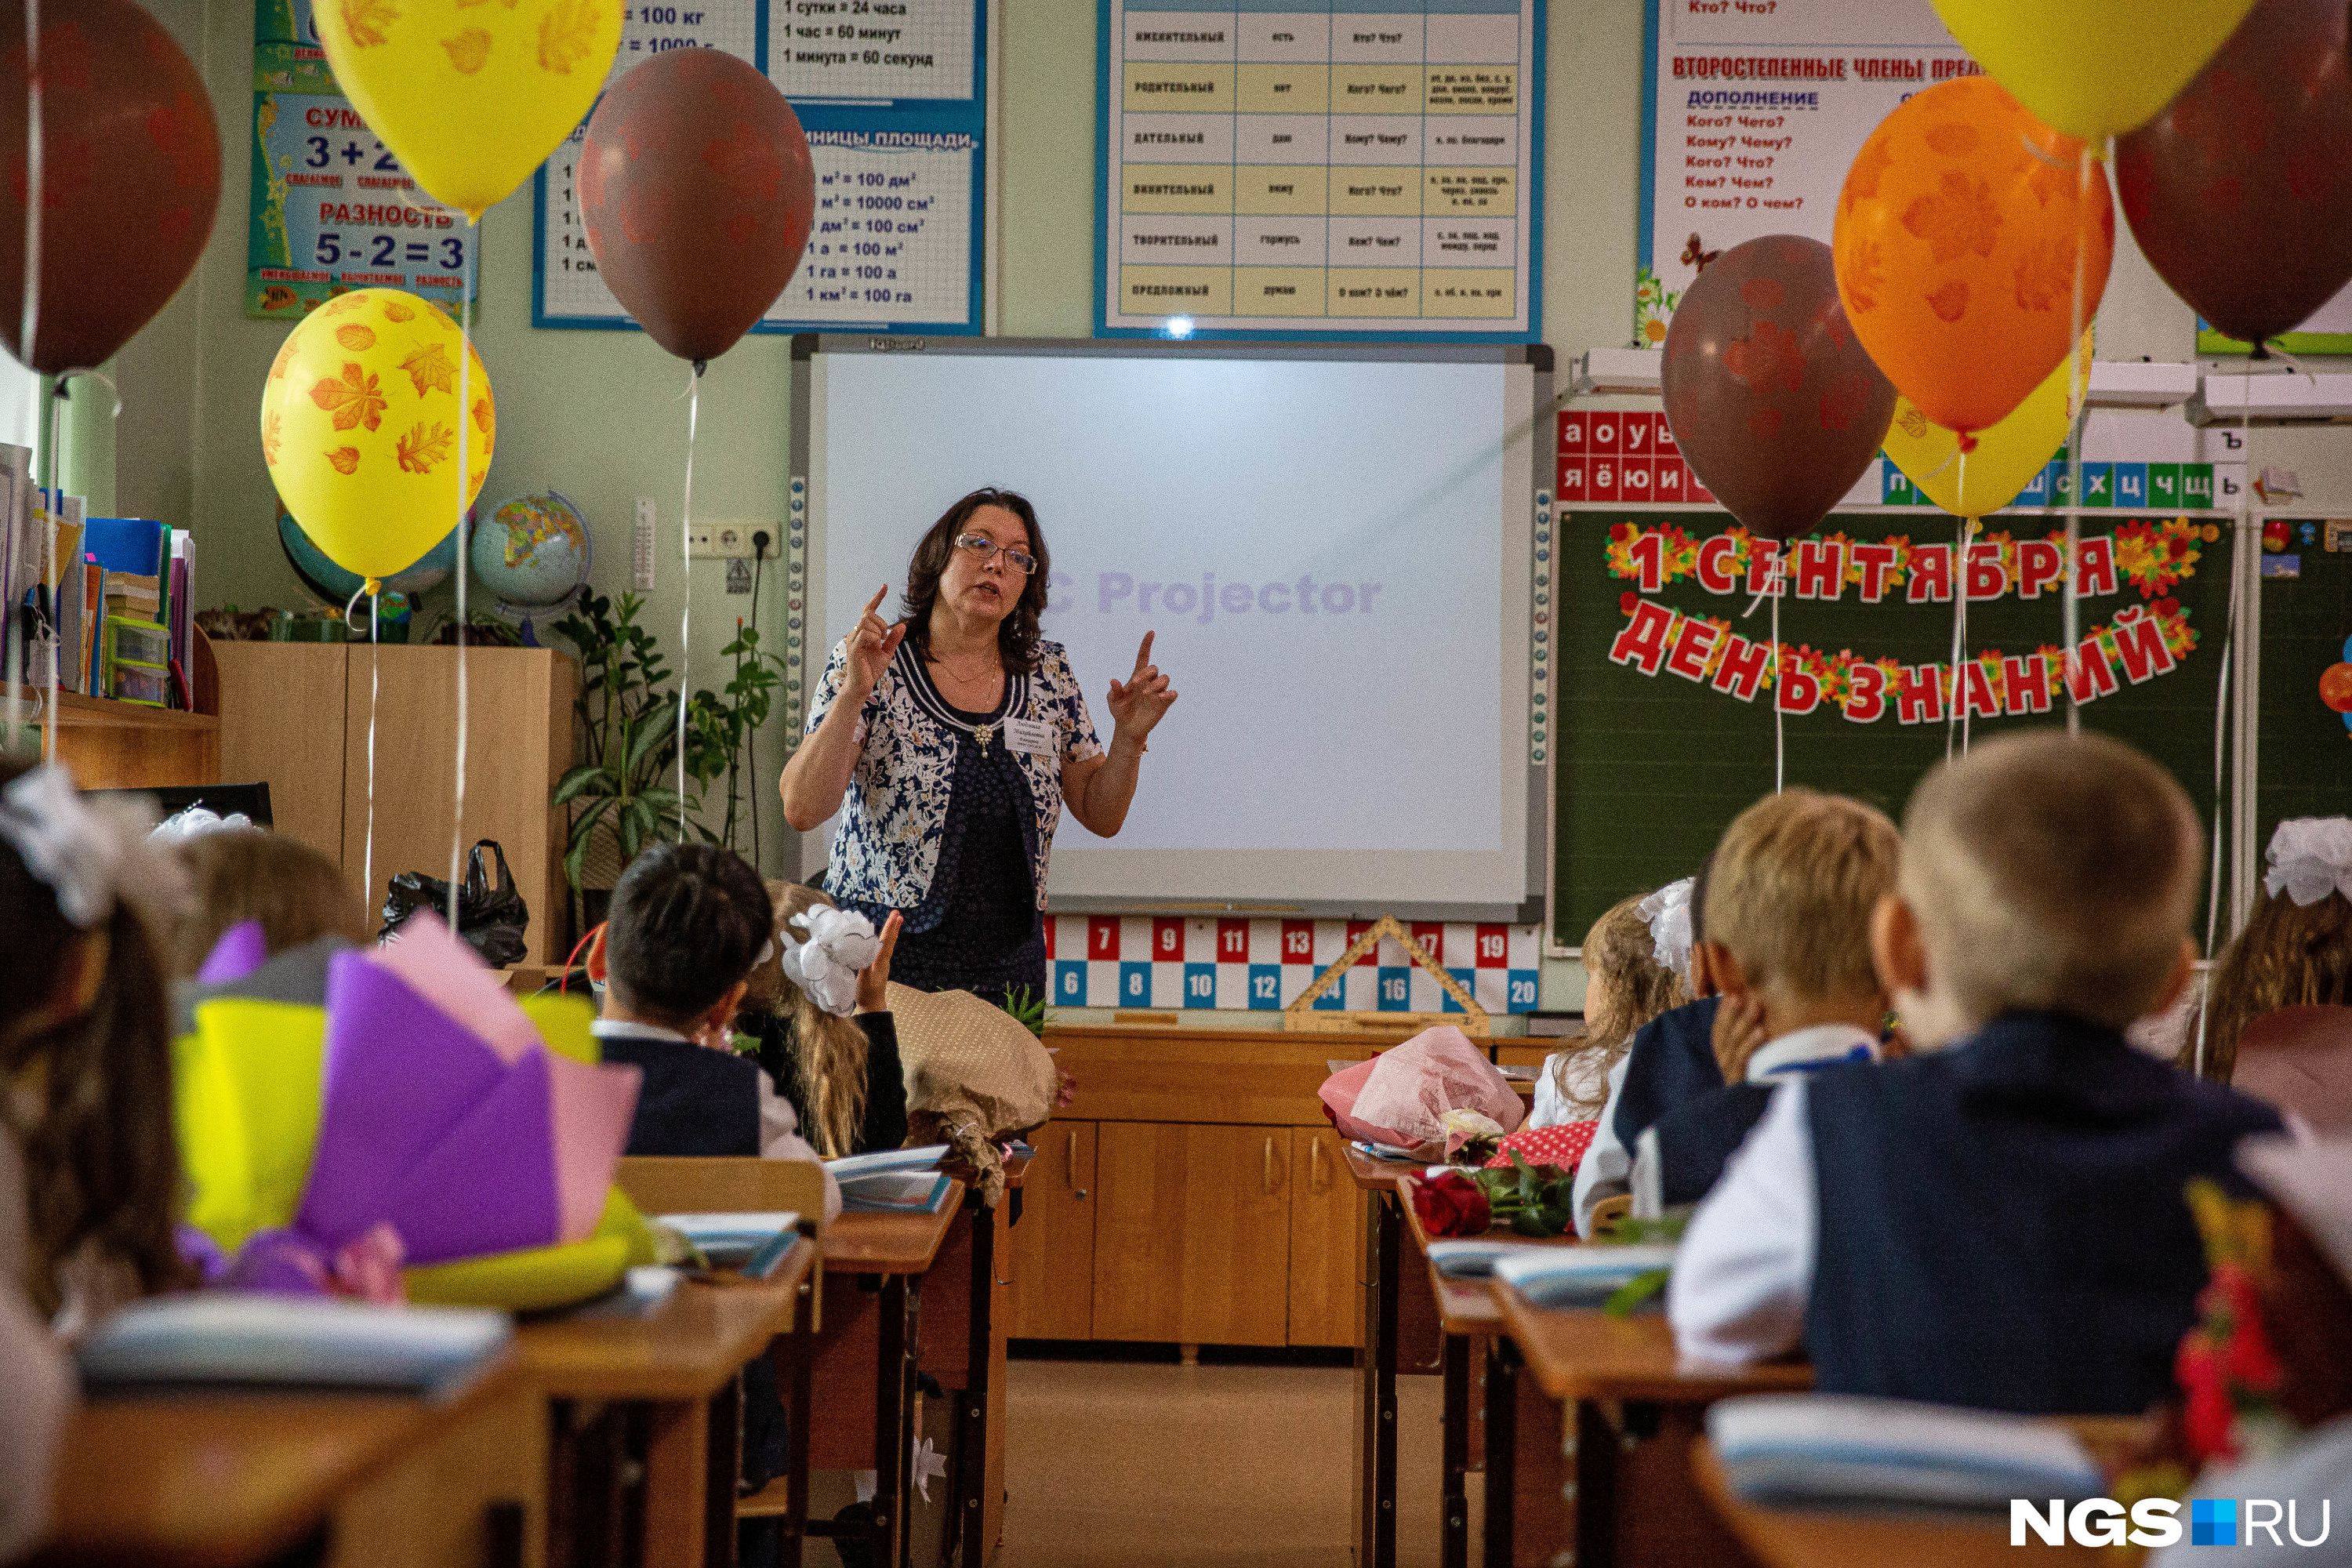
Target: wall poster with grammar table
x=1342 y=170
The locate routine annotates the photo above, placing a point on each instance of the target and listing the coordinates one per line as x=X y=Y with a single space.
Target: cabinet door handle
x=1314 y=1166
x=1269 y=1180
x=1073 y=1177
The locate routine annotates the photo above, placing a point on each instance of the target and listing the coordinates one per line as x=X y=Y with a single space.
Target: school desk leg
x=680 y=1459
x=894 y=1395
x=1502 y=1449
x=793 y=1353
x=1376 y=1375
x=1593 y=1450
x=1454 y=1500
x=969 y=1524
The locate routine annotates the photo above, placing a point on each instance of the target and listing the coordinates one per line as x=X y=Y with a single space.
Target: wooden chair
x=659 y=1184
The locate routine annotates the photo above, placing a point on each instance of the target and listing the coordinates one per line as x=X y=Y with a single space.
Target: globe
x=532 y=553
x=335 y=587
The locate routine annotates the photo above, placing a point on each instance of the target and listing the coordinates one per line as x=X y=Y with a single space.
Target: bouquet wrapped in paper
x=1433 y=1095
x=974 y=1074
x=415 y=1129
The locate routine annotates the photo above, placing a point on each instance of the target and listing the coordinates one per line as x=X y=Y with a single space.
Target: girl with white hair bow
x=821 y=1012
x=2295 y=948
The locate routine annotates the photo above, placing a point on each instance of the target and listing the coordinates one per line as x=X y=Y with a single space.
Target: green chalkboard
x=2303 y=752
x=1649 y=768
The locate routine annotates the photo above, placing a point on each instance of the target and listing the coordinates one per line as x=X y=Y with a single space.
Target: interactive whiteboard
x=1334 y=547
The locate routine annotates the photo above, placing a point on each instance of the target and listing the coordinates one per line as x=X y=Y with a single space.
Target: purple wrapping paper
x=242 y=949
x=423 y=1126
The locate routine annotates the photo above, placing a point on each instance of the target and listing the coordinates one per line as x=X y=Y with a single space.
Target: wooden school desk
x=1401 y=1333
x=866 y=1346
x=1811 y=1538
x=1633 y=1411
x=1521 y=1502
x=671 y=1384
x=225 y=1480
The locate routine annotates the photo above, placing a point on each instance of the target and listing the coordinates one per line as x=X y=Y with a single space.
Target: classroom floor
x=1158 y=1466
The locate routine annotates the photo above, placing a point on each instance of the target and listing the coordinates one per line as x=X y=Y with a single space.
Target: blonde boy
x=1998 y=1223
x=1790 y=895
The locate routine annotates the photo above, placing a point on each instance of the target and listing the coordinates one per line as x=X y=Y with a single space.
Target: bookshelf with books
x=113 y=744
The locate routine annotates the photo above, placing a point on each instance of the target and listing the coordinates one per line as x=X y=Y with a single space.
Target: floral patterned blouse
x=894 y=817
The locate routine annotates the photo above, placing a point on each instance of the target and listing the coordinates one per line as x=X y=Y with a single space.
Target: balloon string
x=1960 y=635
x=465 y=493
x=27 y=324
x=2078 y=383
x=686 y=611
x=367 y=851
x=1780 y=711
x=54 y=486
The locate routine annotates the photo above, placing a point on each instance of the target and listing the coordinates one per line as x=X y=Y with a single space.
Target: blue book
x=133 y=544
x=895 y=1192
x=226 y=1339
x=753 y=1244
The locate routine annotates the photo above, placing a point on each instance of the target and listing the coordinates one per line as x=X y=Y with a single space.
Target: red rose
x=2207 y=1422
x=1451 y=1205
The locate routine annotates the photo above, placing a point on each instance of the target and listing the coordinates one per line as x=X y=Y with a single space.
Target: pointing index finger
x=876 y=602
x=1143 y=654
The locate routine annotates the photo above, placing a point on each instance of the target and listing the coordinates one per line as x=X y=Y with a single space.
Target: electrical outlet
x=720 y=541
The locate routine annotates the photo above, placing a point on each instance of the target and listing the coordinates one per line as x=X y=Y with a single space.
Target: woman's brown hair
x=2288 y=955
x=828 y=1053
x=91 y=1101
x=249 y=873
x=1621 y=955
x=1016 y=635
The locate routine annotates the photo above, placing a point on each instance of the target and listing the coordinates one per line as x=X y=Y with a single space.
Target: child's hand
x=874 y=980
x=1738 y=1033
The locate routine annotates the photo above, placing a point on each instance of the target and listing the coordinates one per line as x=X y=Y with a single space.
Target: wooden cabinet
x=1052 y=1248
x=1326 y=1220
x=296 y=715
x=1192 y=1233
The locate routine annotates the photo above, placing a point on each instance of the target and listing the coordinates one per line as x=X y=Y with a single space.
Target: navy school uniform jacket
x=693 y=1101
x=2001 y=1225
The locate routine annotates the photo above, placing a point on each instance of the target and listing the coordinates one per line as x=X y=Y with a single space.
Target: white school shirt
x=779 y=1124
x=36 y=1385
x=1551 y=1107
x=1607 y=1169
x=1744 y=1268
x=1791 y=1055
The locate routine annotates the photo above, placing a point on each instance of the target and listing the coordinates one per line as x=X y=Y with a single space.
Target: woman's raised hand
x=871 y=645
x=874 y=980
x=1138 y=703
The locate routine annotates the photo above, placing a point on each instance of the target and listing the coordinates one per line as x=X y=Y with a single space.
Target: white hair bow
x=1667 y=913
x=196 y=821
x=2310 y=858
x=840 y=943
x=89 y=852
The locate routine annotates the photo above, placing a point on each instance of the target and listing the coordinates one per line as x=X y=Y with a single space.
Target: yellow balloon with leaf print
x=470 y=95
x=2005 y=457
x=361 y=420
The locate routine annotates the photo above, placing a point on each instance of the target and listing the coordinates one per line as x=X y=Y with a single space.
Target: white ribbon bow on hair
x=89 y=853
x=195 y=822
x=840 y=943
x=2310 y=858
x=1667 y=913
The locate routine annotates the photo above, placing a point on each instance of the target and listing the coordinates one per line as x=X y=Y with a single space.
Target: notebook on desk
x=895 y=1192
x=1586 y=1275
x=1829 y=1449
x=925 y=1158
x=752 y=1244
x=224 y=1339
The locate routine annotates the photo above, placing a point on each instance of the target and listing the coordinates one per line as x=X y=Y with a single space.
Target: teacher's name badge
x=1035 y=736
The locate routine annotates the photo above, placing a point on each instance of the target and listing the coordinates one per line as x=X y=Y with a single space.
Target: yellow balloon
x=471 y=97
x=2003 y=461
x=361 y=422
x=2092 y=68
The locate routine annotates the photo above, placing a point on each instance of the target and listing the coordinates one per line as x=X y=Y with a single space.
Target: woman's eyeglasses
x=980 y=545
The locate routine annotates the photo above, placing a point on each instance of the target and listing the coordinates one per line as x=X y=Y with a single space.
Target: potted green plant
x=720 y=729
x=629 y=723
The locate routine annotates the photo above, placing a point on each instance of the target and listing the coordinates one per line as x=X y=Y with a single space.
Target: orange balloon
x=1955 y=248
x=2336 y=687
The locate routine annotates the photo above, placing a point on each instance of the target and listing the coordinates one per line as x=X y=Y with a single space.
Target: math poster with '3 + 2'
x=332 y=208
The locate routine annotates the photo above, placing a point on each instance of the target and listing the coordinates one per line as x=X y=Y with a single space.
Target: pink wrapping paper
x=1437 y=1071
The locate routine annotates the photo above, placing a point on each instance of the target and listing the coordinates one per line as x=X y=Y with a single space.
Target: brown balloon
x=129 y=178
x=2240 y=192
x=1773 y=401
x=696 y=193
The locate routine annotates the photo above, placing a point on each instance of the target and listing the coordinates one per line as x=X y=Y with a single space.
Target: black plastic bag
x=493 y=918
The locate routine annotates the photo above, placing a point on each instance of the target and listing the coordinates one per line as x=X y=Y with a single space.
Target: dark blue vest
x=1671 y=1062
x=1696 y=1139
x=2002 y=1223
x=693 y=1101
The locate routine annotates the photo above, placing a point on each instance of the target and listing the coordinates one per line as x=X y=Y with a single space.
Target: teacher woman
x=949 y=743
